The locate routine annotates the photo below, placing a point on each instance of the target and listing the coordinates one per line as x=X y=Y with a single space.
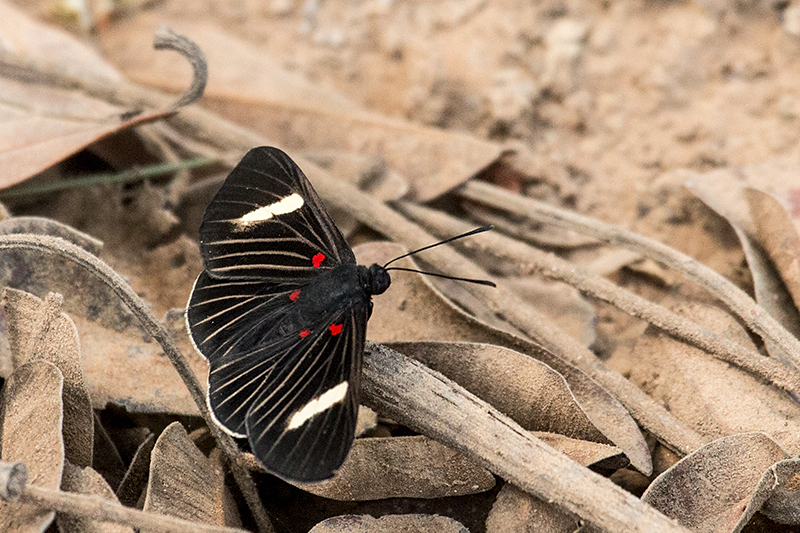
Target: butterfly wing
x=302 y=424
x=267 y=223
x=293 y=394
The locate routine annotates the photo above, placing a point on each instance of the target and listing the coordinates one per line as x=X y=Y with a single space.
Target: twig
x=140 y=309
x=125 y=176
x=736 y=299
x=166 y=39
x=102 y=510
x=530 y=260
x=411 y=393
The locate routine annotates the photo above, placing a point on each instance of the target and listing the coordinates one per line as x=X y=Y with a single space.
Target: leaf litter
x=124 y=365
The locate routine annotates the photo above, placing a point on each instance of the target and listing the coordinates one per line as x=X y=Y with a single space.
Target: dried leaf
x=518 y=512
x=31 y=433
x=418 y=523
x=87 y=481
x=723 y=191
x=778 y=236
x=599 y=457
x=715 y=489
x=254 y=91
x=39 y=330
x=780 y=483
x=182 y=481
x=402 y=467
x=414 y=311
x=528 y=391
x=40 y=123
x=23 y=36
x=713 y=397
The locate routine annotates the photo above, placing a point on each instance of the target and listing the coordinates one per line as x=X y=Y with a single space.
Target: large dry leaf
x=516 y=511
x=528 y=391
x=417 y=523
x=711 y=396
x=720 y=486
x=41 y=124
x=254 y=91
x=724 y=191
x=412 y=310
x=31 y=433
x=39 y=330
x=402 y=467
x=778 y=235
x=87 y=481
x=182 y=481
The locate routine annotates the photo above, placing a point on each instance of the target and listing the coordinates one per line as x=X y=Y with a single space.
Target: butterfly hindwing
x=302 y=424
x=268 y=223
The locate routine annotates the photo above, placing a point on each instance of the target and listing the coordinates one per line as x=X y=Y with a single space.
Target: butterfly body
x=280 y=313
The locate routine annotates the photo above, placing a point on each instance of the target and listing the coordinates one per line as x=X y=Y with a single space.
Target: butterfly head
x=375 y=279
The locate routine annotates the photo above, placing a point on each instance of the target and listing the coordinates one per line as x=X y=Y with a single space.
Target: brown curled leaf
x=182 y=481
x=516 y=510
x=402 y=467
x=531 y=393
x=778 y=235
x=414 y=311
x=87 y=481
x=418 y=523
x=716 y=488
x=724 y=192
x=39 y=330
x=599 y=457
x=31 y=434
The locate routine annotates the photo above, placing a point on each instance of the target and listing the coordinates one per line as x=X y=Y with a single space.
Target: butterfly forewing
x=268 y=223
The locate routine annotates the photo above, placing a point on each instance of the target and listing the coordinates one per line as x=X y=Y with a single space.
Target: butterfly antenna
x=467 y=234
x=468 y=280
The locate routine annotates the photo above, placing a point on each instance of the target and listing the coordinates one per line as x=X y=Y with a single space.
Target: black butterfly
x=280 y=312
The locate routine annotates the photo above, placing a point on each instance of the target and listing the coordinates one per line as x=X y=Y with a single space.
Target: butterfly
x=280 y=313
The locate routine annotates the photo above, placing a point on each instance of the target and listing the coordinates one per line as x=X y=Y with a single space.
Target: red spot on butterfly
x=304 y=332
x=318 y=259
x=335 y=329
x=294 y=296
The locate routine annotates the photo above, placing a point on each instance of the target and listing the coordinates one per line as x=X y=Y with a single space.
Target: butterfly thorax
x=344 y=286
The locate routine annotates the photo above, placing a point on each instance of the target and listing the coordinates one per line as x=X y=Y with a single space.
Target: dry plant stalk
x=13 y=487
x=141 y=310
x=752 y=314
x=411 y=393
